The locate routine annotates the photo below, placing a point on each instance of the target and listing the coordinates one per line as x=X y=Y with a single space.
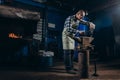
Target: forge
x=15 y=33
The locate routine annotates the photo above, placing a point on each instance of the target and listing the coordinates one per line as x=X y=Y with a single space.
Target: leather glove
x=92 y=25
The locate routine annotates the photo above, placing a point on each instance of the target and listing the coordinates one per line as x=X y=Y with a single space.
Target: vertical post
x=46 y=28
x=83 y=63
x=95 y=67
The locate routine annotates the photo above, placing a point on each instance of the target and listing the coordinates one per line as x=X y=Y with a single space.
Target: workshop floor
x=106 y=71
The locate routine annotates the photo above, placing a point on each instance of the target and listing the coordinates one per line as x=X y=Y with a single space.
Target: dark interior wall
x=116 y=27
x=107 y=31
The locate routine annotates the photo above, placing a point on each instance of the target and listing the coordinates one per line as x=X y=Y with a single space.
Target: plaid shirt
x=71 y=23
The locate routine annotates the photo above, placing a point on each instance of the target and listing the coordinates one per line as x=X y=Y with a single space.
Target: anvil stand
x=83 y=63
x=83 y=56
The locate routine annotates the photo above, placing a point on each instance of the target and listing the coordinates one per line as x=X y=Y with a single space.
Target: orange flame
x=12 y=35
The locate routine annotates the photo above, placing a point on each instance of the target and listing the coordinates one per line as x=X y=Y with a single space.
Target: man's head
x=80 y=14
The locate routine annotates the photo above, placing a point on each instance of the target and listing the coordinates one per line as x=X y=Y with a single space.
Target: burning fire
x=12 y=35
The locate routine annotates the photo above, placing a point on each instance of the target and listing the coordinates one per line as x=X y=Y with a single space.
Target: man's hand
x=92 y=25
